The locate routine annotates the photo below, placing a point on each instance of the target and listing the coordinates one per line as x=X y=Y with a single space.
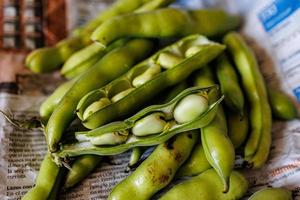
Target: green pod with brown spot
x=196 y=163
x=237 y=128
x=157 y=170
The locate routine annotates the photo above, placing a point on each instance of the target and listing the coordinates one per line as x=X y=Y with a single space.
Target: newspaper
x=270 y=27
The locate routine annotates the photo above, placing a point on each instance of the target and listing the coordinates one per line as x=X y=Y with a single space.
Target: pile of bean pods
x=197 y=101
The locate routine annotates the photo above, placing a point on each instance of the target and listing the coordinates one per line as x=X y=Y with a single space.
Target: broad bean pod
x=81 y=168
x=227 y=77
x=258 y=145
x=167 y=22
x=197 y=162
x=237 y=128
x=138 y=86
x=157 y=170
x=217 y=146
x=208 y=186
x=272 y=193
x=52 y=101
x=47 y=182
x=112 y=65
x=48 y=59
x=91 y=142
x=281 y=105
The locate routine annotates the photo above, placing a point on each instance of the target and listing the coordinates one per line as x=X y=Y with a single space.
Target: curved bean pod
x=49 y=176
x=148 y=90
x=84 y=146
x=52 y=101
x=258 y=145
x=282 y=107
x=237 y=127
x=208 y=186
x=48 y=59
x=85 y=58
x=121 y=7
x=154 y=174
x=227 y=77
x=103 y=72
x=218 y=148
x=81 y=168
x=168 y=22
x=272 y=193
x=196 y=163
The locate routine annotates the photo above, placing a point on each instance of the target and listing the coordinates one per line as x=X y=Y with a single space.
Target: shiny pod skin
x=208 y=186
x=111 y=66
x=157 y=170
x=272 y=193
x=282 y=107
x=48 y=178
x=140 y=95
x=166 y=22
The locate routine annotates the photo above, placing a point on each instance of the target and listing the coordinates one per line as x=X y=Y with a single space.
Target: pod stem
x=32 y=123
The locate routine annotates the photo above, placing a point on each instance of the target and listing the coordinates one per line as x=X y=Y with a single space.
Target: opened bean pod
x=118 y=137
x=145 y=80
x=197 y=162
x=112 y=65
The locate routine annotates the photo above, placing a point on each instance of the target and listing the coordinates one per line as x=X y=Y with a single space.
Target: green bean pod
x=258 y=145
x=48 y=177
x=196 y=163
x=167 y=22
x=85 y=58
x=80 y=169
x=123 y=128
x=208 y=186
x=157 y=170
x=135 y=156
x=52 y=101
x=48 y=59
x=143 y=93
x=282 y=107
x=237 y=128
x=112 y=65
x=272 y=193
x=89 y=54
x=218 y=148
x=121 y=7
x=227 y=77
